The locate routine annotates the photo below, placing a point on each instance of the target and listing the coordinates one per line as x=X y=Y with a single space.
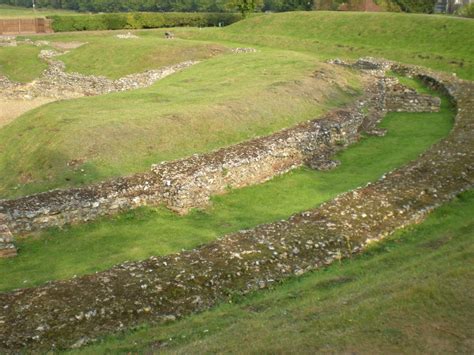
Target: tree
x=246 y=7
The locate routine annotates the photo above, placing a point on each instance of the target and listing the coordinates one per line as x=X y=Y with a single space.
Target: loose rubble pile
x=8 y=41
x=74 y=312
x=127 y=35
x=189 y=183
x=58 y=84
x=7 y=248
x=243 y=50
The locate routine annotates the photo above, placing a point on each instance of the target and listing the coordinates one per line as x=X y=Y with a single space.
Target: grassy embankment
x=217 y=103
x=409 y=294
x=220 y=101
x=59 y=254
x=438 y=42
x=396 y=298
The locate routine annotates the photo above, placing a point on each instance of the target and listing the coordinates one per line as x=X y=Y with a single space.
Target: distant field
x=7 y=11
x=30 y=67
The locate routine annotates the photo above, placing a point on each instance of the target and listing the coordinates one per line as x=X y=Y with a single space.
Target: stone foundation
x=189 y=183
x=7 y=246
x=56 y=83
x=71 y=313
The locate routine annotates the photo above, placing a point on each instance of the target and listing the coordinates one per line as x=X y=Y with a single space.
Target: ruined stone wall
x=187 y=183
x=7 y=248
x=190 y=182
x=73 y=312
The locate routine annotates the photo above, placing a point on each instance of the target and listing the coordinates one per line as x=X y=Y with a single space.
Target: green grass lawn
x=30 y=68
x=409 y=294
x=7 y=11
x=218 y=102
x=133 y=56
x=439 y=42
x=60 y=254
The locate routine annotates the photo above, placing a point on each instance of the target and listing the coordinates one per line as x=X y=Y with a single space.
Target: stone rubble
x=127 y=35
x=56 y=83
x=70 y=313
x=7 y=246
x=190 y=182
x=8 y=41
x=243 y=50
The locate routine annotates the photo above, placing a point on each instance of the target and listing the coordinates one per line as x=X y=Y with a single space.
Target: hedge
x=137 y=20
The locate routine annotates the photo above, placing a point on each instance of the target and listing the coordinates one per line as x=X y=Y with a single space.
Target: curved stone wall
x=189 y=183
x=73 y=312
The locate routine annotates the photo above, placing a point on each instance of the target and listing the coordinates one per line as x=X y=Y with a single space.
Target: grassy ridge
x=217 y=103
x=145 y=232
x=442 y=43
x=221 y=101
x=409 y=294
x=126 y=57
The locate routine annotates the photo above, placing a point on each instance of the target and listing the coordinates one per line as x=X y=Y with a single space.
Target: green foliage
x=246 y=7
x=139 y=20
x=426 y=6
x=467 y=11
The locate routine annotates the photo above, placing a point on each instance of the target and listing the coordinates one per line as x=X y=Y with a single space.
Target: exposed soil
x=67 y=45
x=11 y=109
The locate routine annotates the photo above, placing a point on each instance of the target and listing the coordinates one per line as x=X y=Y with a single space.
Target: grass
x=7 y=12
x=60 y=254
x=224 y=100
x=132 y=56
x=439 y=42
x=30 y=67
x=409 y=294
x=221 y=101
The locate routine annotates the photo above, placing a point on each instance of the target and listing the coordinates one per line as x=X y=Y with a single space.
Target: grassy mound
x=440 y=42
x=409 y=294
x=218 y=102
x=221 y=101
x=133 y=56
x=136 y=235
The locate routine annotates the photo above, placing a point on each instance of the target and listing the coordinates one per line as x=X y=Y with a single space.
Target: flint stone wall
x=73 y=312
x=7 y=247
x=188 y=183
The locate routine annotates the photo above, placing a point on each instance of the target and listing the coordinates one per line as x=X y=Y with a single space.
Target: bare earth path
x=11 y=109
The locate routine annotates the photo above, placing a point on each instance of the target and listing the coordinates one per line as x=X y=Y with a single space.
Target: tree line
x=244 y=6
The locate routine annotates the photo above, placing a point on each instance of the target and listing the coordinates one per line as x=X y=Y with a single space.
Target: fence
x=29 y=25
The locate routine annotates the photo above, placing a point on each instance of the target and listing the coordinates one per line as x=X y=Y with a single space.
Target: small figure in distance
x=169 y=35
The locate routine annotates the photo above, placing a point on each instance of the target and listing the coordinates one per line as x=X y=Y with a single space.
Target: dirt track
x=11 y=109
